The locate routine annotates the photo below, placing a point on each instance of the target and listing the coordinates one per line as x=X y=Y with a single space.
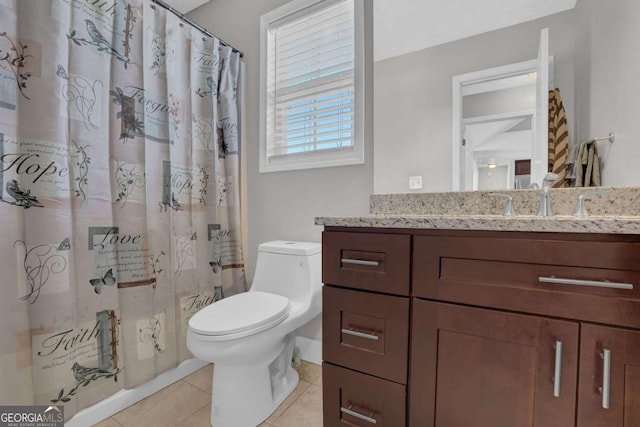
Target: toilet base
x=245 y=396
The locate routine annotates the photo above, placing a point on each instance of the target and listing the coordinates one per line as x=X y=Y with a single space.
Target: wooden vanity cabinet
x=623 y=347
x=500 y=318
x=504 y=329
x=365 y=328
x=478 y=367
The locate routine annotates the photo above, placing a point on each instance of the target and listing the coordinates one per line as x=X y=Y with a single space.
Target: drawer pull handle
x=360 y=262
x=357 y=415
x=606 y=377
x=577 y=282
x=558 y=370
x=373 y=337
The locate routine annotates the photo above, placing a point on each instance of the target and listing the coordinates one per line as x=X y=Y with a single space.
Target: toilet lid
x=247 y=312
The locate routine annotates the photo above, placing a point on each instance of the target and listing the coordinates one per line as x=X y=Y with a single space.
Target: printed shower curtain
x=119 y=201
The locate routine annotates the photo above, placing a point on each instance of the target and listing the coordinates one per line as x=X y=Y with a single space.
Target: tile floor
x=187 y=403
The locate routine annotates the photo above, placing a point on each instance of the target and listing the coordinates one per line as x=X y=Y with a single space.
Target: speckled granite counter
x=616 y=212
x=556 y=224
x=619 y=201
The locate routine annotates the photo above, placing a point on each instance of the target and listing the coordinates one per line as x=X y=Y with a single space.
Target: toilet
x=249 y=336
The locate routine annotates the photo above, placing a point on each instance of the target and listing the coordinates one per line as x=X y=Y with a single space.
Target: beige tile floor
x=187 y=403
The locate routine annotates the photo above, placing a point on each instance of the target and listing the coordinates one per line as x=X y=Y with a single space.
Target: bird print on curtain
x=558 y=139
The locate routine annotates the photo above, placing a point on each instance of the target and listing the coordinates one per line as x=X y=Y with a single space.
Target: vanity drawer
x=366 y=332
x=375 y=262
x=564 y=278
x=354 y=399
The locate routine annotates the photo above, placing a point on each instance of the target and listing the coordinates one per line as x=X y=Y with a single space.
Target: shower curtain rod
x=193 y=24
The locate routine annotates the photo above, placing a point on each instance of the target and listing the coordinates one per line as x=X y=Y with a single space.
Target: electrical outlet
x=415 y=182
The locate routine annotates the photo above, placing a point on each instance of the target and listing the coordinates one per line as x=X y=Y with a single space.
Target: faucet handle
x=508 y=209
x=549 y=178
x=581 y=209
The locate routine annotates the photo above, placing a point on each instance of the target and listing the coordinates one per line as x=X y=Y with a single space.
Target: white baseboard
x=310 y=350
x=125 y=398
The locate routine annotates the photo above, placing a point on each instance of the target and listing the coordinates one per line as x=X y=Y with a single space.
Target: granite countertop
x=615 y=212
x=556 y=224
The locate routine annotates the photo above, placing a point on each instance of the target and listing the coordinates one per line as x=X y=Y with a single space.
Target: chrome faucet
x=545 y=198
x=581 y=209
x=509 y=209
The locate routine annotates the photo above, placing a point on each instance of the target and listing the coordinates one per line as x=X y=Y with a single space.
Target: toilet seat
x=240 y=315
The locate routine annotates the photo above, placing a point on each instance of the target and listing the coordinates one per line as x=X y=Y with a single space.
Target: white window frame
x=352 y=155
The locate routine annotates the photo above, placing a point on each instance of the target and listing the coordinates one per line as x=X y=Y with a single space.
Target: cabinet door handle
x=558 y=370
x=372 y=337
x=606 y=377
x=357 y=415
x=359 y=262
x=578 y=282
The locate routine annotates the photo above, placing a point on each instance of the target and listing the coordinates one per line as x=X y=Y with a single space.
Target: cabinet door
x=609 y=392
x=478 y=367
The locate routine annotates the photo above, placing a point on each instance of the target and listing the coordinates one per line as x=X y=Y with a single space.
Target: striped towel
x=558 y=138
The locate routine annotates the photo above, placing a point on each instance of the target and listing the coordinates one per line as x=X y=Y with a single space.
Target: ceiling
x=184 y=6
x=403 y=26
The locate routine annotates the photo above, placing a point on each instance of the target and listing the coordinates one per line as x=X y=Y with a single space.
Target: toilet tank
x=290 y=269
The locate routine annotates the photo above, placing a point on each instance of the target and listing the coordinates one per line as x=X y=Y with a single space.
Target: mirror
x=595 y=67
x=498 y=122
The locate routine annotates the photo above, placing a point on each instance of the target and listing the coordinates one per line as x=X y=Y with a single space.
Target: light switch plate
x=415 y=182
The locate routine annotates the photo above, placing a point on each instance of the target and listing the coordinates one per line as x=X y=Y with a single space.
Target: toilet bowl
x=249 y=337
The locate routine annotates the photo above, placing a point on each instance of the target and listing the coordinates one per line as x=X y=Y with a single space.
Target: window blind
x=311 y=81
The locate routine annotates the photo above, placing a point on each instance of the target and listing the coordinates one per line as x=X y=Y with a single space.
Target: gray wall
x=499 y=101
x=282 y=205
x=607 y=89
x=412 y=92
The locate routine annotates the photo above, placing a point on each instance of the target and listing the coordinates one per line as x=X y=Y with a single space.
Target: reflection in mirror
x=496 y=118
x=596 y=64
x=500 y=116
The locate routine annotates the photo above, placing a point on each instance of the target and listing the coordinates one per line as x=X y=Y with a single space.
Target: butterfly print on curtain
x=108 y=279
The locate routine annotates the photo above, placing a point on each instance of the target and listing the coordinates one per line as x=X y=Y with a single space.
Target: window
x=312 y=85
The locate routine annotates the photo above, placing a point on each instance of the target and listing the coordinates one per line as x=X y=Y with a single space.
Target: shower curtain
x=119 y=194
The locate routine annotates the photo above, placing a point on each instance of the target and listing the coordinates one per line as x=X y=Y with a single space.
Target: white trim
x=524 y=114
x=125 y=398
x=316 y=159
x=310 y=349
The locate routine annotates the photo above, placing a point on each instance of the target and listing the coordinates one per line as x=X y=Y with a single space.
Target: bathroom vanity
x=444 y=320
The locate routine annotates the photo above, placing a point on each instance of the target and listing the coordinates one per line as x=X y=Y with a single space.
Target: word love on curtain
x=119 y=194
